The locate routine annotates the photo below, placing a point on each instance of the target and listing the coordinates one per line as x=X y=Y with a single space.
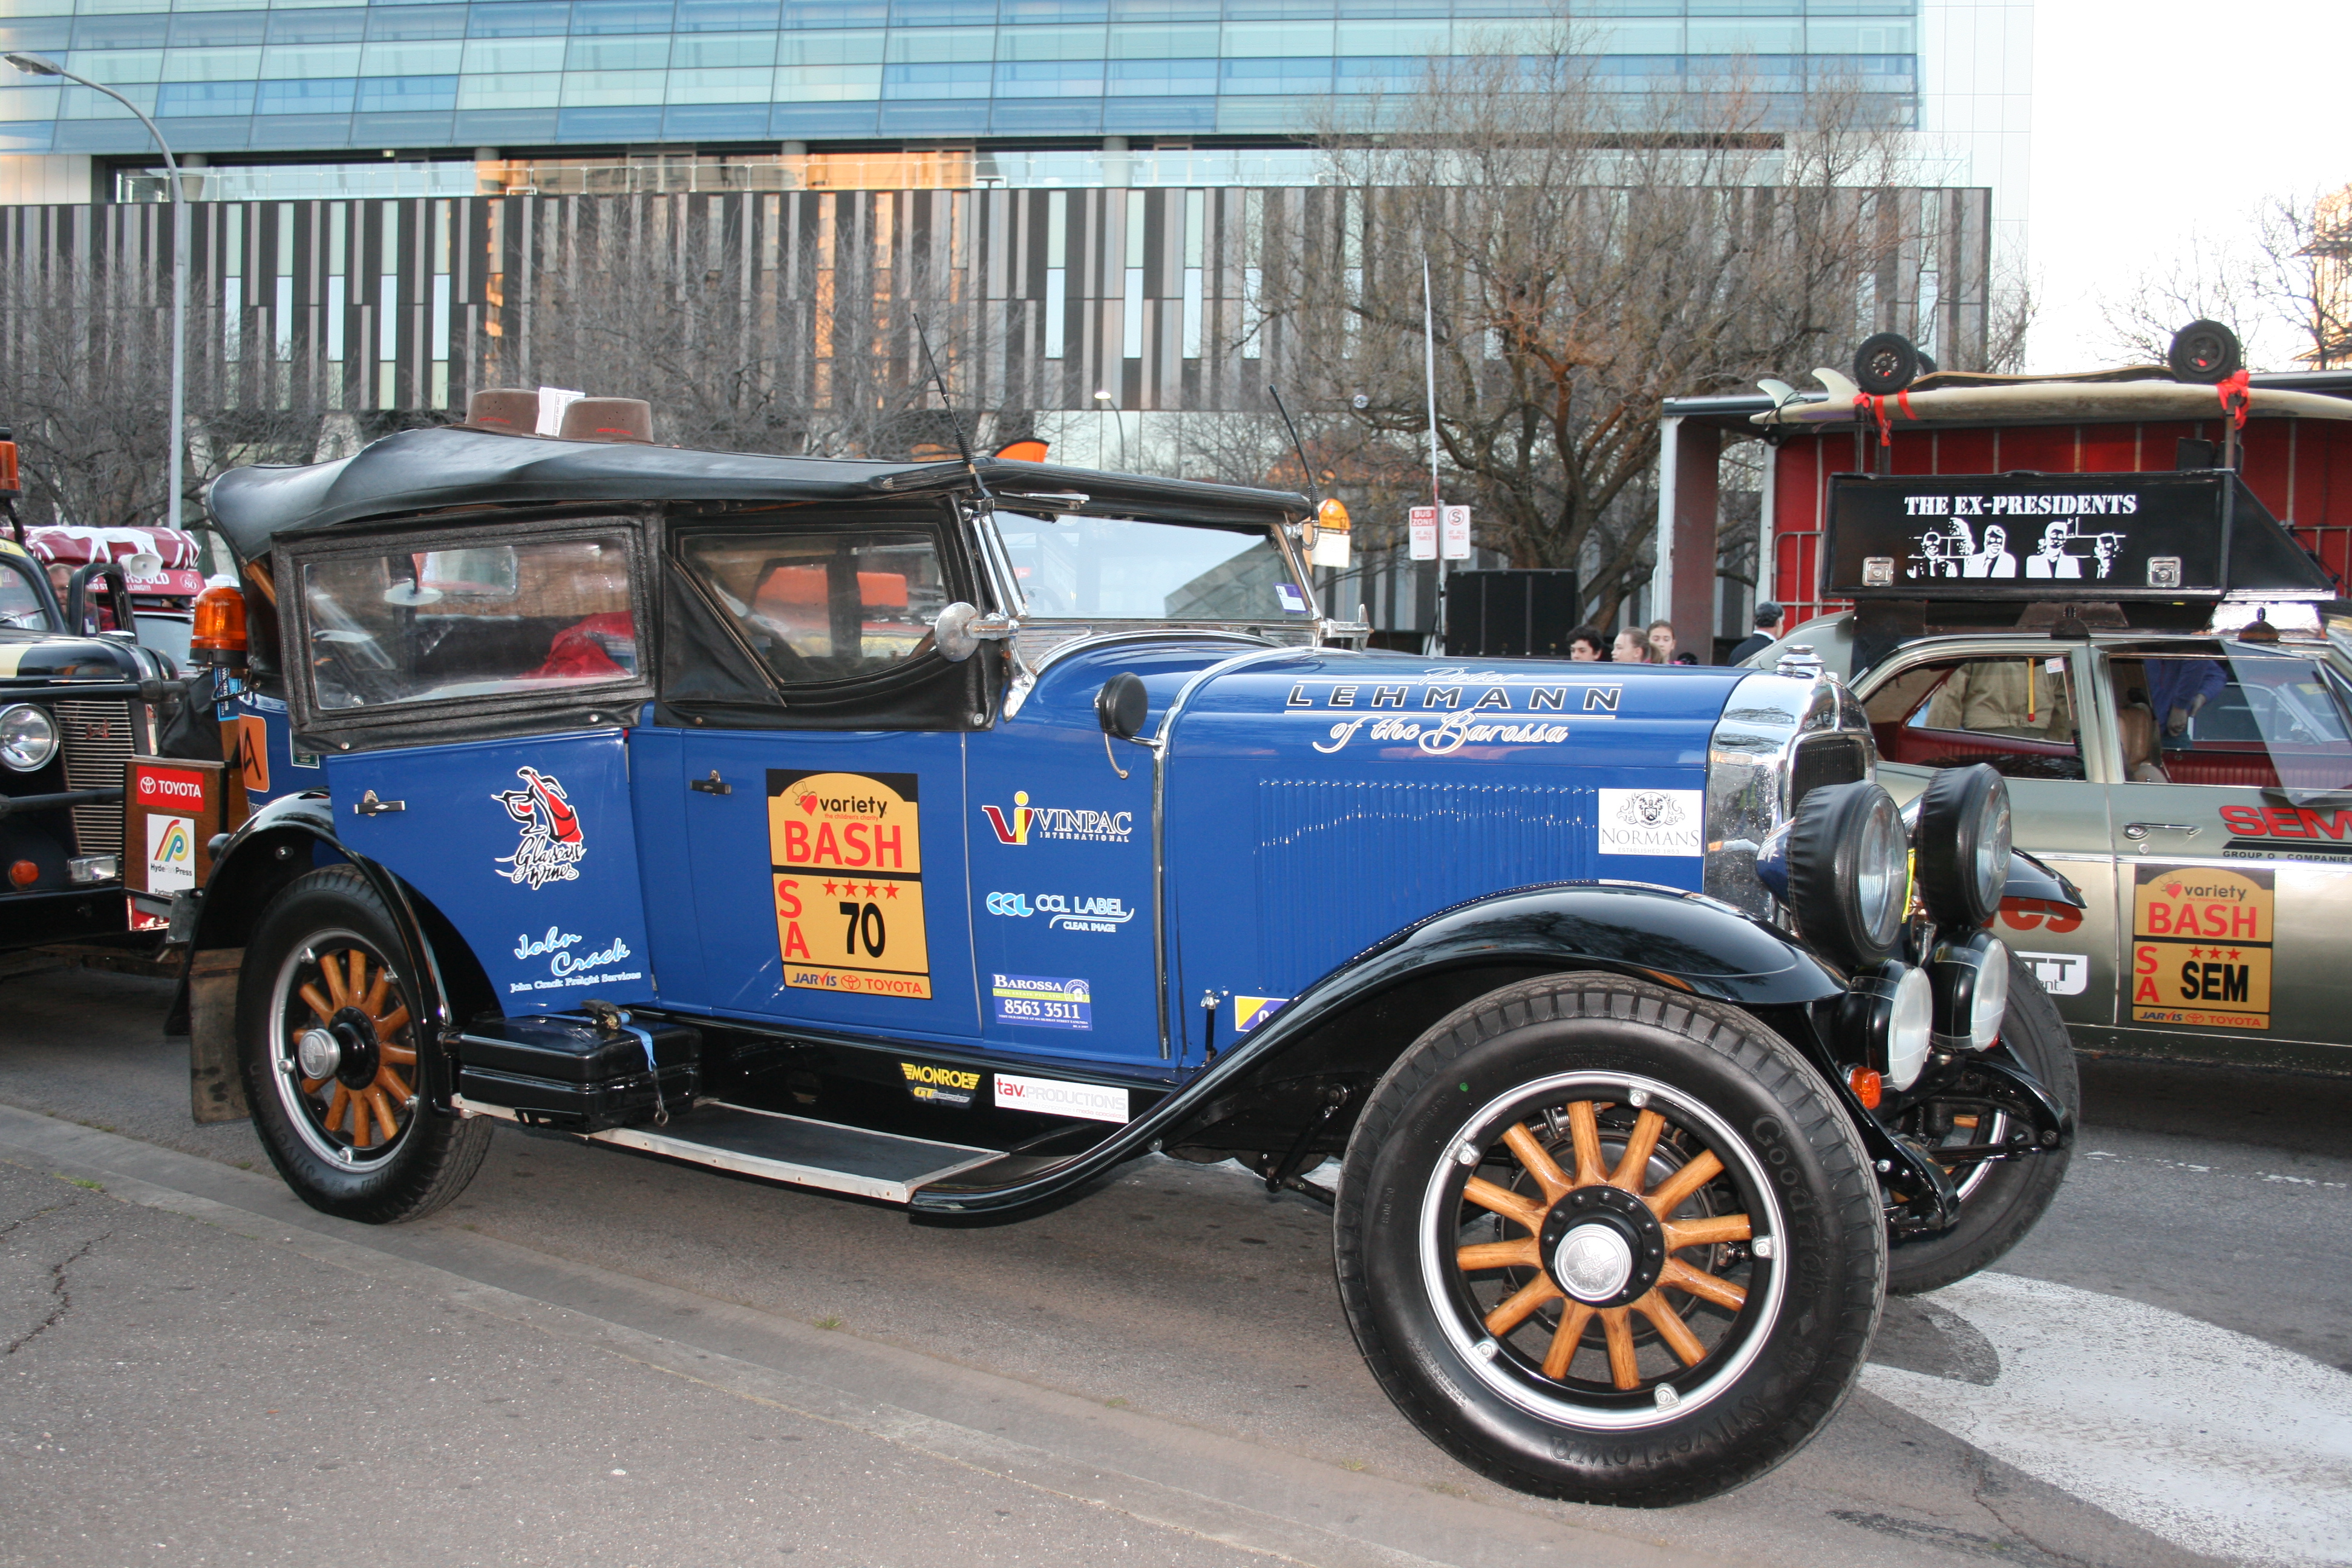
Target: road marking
x=2210 y=1170
x=2215 y=1441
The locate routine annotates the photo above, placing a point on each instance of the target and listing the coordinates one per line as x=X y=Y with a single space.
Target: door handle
x=714 y=785
x=2136 y=831
x=371 y=807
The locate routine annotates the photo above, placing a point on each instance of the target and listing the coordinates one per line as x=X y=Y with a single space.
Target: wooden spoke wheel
x=347 y=1064
x=1608 y=1242
x=1602 y=1251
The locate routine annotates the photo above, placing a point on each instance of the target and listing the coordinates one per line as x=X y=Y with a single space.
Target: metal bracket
x=371 y=807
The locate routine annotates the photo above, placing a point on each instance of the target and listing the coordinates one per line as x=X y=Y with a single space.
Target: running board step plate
x=795 y=1150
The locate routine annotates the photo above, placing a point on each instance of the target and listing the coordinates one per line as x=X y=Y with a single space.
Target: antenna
x=963 y=442
x=1297 y=444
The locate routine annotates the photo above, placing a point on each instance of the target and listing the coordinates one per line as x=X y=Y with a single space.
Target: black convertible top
x=425 y=470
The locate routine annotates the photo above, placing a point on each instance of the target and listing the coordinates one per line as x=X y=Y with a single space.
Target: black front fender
x=1351 y=1024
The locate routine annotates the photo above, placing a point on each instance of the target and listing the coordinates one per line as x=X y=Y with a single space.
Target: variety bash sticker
x=2201 y=947
x=1043 y=1003
x=1652 y=822
x=845 y=852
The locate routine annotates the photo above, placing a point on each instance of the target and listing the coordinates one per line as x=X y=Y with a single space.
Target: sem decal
x=552 y=843
x=2202 y=946
x=1024 y=822
x=1042 y=1003
x=1054 y=1097
x=2286 y=832
x=1652 y=822
x=845 y=855
x=939 y=1086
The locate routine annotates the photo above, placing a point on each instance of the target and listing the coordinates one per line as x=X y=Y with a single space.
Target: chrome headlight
x=1888 y=1014
x=1970 y=979
x=1842 y=867
x=29 y=737
x=1963 y=839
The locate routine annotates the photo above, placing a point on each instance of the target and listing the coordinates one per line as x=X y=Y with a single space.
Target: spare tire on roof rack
x=2205 y=352
x=1886 y=363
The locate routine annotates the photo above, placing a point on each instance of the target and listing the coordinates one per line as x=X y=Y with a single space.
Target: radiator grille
x=1417 y=846
x=98 y=744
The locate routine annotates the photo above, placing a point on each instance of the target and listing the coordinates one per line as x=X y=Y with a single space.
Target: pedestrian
x=1586 y=645
x=1770 y=618
x=1662 y=646
x=1630 y=648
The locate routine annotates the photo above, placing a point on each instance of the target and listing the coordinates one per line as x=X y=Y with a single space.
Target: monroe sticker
x=939 y=1085
x=846 y=855
x=1652 y=822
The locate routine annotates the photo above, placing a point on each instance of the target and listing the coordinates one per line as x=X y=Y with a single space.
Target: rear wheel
x=329 y=1039
x=2000 y=1200
x=1607 y=1242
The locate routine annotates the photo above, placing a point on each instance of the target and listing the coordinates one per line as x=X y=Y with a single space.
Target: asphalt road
x=595 y=1355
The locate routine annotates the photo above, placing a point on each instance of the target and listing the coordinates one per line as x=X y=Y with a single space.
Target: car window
x=403 y=626
x=1118 y=568
x=2233 y=717
x=21 y=605
x=2016 y=713
x=826 y=605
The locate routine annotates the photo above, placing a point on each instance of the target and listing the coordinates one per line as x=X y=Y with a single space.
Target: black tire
x=326 y=1136
x=2205 y=354
x=1529 y=1064
x=2001 y=1201
x=1886 y=363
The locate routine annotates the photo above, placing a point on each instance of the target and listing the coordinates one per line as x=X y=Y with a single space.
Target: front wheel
x=328 y=1037
x=1607 y=1242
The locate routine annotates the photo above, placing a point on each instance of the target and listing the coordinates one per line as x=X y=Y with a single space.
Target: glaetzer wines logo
x=552 y=843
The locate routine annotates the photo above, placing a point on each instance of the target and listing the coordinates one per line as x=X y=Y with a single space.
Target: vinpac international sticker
x=1652 y=822
x=171 y=854
x=2202 y=946
x=846 y=853
x=1044 y=1003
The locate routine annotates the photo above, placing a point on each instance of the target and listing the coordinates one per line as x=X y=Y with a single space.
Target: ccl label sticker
x=846 y=853
x=171 y=854
x=1652 y=822
x=1043 y=1003
x=1063 y=911
x=552 y=843
x=2202 y=946
x=939 y=1086
x=1054 y=1097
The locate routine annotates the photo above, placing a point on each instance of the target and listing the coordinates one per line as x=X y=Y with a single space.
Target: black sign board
x=1511 y=614
x=2199 y=534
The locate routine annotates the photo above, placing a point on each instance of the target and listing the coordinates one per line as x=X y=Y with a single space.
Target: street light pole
x=40 y=65
x=1117 y=418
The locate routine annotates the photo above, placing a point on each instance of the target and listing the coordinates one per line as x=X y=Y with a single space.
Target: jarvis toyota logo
x=1025 y=822
x=551 y=843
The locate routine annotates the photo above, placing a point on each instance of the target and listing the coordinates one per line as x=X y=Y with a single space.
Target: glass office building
x=275 y=79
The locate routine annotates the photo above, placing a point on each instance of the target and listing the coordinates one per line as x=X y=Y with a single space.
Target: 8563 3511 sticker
x=1043 y=1002
x=845 y=854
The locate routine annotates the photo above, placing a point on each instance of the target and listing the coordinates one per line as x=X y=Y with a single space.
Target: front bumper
x=75 y=914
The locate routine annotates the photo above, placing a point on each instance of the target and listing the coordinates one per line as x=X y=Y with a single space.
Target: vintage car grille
x=1828 y=760
x=98 y=744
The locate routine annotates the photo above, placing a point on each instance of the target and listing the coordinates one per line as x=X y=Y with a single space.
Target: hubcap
x=1593 y=1262
x=347 y=1052
x=318 y=1053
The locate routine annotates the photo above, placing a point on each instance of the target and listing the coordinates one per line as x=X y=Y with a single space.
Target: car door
x=469 y=701
x=2232 y=819
x=821 y=802
x=2018 y=705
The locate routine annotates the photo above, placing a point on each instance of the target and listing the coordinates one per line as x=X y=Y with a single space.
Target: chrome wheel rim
x=343 y=1049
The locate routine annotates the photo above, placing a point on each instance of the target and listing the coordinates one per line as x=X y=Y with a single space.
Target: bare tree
x=2278 y=276
x=1590 y=253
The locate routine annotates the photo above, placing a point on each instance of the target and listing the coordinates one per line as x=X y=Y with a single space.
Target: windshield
x=1116 y=568
x=21 y=605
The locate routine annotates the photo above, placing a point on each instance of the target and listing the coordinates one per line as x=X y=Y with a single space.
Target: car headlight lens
x=1970 y=980
x=1842 y=869
x=1887 y=1016
x=29 y=737
x=1963 y=839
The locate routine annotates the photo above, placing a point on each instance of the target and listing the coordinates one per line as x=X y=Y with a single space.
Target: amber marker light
x=218 y=634
x=1867 y=1086
x=1332 y=516
x=24 y=873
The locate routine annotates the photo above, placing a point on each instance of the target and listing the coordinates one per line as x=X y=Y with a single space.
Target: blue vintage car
x=951 y=834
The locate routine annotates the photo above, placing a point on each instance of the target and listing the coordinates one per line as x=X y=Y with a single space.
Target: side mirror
x=961 y=628
x=1122 y=705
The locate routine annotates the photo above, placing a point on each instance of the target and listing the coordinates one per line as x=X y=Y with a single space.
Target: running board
x=792 y=1149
